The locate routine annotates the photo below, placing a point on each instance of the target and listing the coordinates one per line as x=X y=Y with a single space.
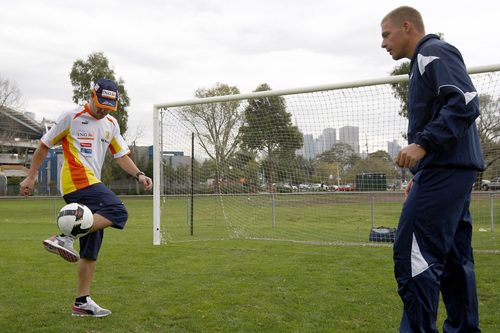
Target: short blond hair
x=405 y=13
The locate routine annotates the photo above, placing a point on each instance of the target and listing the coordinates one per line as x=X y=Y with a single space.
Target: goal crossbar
x=310 y=89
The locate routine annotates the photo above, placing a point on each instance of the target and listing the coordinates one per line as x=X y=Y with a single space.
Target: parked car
x=345 y=188
x=493 y=184
x=283 y=187
x=316 y=187
x=304 y=187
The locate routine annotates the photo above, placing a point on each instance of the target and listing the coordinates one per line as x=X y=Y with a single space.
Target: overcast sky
x=166 y=49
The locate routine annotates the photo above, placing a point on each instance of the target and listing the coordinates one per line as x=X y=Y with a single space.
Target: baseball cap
x=106 y=94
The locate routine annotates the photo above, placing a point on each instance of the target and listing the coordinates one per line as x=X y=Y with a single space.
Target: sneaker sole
x=84 y=313
x=61 y=251
x=89 y=315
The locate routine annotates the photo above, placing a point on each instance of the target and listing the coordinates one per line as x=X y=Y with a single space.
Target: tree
x=10 y=95
x=268 y=128
x=215 y=125
x=342 y=155
x=341 y=158
x=85 y=72
x=10 y=98
x=379 y=161
x=488 y=126
x=400 y=90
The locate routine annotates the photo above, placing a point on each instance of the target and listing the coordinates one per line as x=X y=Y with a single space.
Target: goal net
x=310 y=165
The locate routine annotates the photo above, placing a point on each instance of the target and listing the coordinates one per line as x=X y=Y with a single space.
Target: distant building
x=350 y=135
x=328 y=139
x=393 y=148
x=175 y=159
x=19 y=134
x=308 y=150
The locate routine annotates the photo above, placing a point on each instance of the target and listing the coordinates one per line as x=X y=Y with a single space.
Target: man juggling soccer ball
x=85 y=134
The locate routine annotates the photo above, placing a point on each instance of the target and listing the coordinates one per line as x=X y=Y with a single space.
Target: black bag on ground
x=382 y=234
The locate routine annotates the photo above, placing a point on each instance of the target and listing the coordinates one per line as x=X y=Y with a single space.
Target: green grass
x=204 y=285
x=315 y=218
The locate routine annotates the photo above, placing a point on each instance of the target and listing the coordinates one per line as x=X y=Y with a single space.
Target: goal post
x=310 y=164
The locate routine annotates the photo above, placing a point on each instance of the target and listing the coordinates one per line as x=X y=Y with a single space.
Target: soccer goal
x=311 y=164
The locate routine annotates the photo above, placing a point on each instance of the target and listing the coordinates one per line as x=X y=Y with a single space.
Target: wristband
x=139 y=174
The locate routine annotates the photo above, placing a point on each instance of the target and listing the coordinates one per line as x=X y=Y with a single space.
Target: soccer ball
x=75 y=220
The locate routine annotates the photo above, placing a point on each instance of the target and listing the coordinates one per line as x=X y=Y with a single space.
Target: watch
x=139 y=174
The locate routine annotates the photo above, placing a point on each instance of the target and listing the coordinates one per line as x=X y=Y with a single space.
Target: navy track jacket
x=442 y=107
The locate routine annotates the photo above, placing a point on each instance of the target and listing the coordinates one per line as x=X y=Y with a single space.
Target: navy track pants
x=433 y=253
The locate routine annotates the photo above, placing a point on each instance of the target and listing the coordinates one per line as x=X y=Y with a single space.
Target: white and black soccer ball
x=75 y=219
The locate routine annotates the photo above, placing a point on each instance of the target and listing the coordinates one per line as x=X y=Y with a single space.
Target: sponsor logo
x=85 y=122
x=85 y=135
x=110 y=94
x=86 y=144
x=105 y=141
x=86 y=151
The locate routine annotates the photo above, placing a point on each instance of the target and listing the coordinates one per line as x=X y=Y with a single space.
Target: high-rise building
x=350 y=135
x=329 y=138
x=393 y=148
x=308 y=151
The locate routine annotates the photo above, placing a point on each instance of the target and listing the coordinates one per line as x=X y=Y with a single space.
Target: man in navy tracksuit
x=432 y=250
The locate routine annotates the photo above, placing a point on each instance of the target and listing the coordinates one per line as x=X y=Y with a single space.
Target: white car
x=304 y=187
x=492 y=185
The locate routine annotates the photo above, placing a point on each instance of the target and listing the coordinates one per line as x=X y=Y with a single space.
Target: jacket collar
x=420 y=44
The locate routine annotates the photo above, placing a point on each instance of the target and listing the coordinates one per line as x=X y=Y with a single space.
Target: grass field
x=203 y=285
x=322 y=218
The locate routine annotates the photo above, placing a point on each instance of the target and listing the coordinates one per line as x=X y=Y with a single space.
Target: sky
x=164 y=50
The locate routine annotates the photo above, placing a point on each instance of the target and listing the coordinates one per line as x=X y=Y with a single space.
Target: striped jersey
x=84 y=140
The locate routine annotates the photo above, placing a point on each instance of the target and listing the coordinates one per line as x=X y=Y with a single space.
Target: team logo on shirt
x=105 y=140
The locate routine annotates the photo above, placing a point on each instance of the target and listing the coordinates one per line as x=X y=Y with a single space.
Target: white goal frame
x=157 y=234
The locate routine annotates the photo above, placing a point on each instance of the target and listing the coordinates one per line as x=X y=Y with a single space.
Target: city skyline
x=348 y=134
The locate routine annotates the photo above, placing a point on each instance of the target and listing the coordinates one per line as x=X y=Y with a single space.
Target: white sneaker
x=89 y=309
x=63 y=246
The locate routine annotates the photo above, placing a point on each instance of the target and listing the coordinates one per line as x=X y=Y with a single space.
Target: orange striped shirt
x=84 y=140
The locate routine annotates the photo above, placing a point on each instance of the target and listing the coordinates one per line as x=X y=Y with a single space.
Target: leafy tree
x=324 y=170
x=400 y=90
x=245 y=168
x=305 y=170
x=379 y=161
x=340 y=159
x=268 y=129
x=215 y=125
x=342 y=155
x=85 y=72
x=488 y=125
